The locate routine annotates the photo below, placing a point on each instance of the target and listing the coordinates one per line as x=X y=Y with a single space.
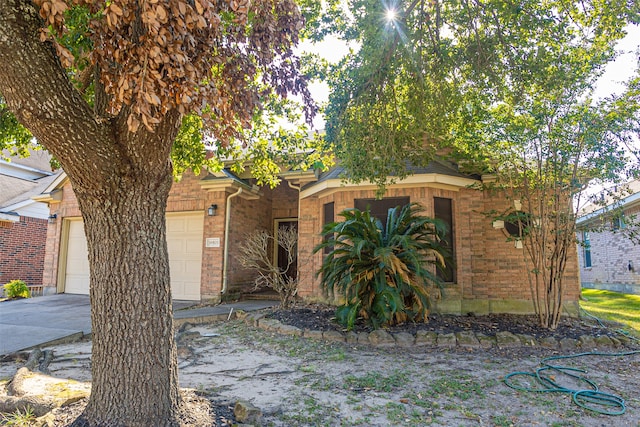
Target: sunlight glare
x=391 y=15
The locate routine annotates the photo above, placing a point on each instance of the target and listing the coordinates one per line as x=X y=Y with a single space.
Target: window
x=617 y=223
x=586 y=247
x=328 y=217
x=380 y=208
x=443 y=210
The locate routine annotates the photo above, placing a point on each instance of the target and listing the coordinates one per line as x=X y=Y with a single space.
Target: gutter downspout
x=225 y=255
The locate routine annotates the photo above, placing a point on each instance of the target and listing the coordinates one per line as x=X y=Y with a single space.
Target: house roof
x=22 y=178
x=37 y=159
x=225 y=174
x=27 y=189
x=436 y=173
x=612 y=200
x=435 y=166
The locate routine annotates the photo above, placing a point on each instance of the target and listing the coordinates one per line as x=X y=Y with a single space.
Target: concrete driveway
x=37 y=321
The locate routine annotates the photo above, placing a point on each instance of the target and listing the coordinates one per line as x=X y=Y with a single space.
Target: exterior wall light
x=211 y=210
x=52 y=218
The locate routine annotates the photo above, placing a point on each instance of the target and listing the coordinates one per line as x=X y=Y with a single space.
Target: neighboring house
x=609 y=258
x=23 y=221
x=209 y=215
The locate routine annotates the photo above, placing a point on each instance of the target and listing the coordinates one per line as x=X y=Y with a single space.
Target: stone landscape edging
x=463 y=339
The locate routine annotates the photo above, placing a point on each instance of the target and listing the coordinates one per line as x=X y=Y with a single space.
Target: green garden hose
x=619 y=331
x=589 y=398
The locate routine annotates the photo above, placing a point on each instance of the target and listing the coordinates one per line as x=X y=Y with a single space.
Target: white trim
x=625 y=203
x=433 y=180
x=32 y=174
x=18 y=205
x=4 y=217
x=37 y=209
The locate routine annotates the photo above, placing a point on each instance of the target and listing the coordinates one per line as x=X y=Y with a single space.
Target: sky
x=622 y=69
x=616 y=73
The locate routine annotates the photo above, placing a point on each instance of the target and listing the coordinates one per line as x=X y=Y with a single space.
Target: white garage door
x=184 y=241
x=77 y=271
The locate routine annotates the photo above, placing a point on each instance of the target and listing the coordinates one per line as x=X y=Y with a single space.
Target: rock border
x=463 y=339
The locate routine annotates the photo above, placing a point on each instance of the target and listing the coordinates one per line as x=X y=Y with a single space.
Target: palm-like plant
x=385 y=274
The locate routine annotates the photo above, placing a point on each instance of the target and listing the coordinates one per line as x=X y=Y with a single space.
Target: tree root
x=32 y=388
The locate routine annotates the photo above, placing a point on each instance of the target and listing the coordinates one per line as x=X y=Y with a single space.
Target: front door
x=287 y=263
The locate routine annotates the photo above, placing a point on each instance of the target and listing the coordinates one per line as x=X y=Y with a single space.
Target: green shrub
x=385 y=274
x=16 y=289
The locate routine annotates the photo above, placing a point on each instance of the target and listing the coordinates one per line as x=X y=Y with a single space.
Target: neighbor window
x=617 y=223
x=586 y=242
x=443 y=210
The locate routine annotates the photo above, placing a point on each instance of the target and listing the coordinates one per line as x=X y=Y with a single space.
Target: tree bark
x=122 y=181
x=134 y=369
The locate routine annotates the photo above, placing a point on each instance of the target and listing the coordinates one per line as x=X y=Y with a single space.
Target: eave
x=433 y=180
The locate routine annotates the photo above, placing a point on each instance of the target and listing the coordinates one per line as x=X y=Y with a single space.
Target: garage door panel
x=175 y=246
x=77 y=263
x=184 y=244
x=175 y=225
x=193 y=247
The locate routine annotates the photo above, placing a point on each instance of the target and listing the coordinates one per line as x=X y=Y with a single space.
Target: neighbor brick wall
x=610 y=256
x=22 y=249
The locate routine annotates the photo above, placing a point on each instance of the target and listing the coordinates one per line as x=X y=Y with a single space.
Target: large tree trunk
x=134 y=367
x=122 y=181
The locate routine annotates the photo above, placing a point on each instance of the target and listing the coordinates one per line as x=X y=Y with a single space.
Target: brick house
x=208 y=215
x=608 y=258
x=23 y=221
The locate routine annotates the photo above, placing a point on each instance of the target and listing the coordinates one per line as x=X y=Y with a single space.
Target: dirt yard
x=305 y=382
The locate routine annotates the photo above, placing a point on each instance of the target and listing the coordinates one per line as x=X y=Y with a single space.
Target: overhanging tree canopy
x=105 y=87
x=426 y=77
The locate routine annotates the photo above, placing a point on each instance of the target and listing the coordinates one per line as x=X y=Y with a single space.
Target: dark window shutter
x=328 y=217
x=443 y=210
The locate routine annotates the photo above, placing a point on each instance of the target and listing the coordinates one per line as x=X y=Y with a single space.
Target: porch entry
x=280 y=255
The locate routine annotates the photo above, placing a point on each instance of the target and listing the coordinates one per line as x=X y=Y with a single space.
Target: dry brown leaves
x=189 y=55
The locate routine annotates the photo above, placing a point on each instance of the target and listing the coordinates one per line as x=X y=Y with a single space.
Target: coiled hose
x=589 y=398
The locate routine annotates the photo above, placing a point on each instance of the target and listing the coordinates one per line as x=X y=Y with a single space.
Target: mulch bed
x=322 y=317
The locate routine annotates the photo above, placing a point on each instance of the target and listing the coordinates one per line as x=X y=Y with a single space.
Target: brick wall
x=251 y=215
x=22 y=249
x=491 y=272
x=611 y=253
x=187 y=196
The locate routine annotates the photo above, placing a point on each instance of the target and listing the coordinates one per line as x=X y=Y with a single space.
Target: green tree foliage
x=384 y=273
x=111 y=89
x=501 y=88
x=265 y=141
x=426 y=79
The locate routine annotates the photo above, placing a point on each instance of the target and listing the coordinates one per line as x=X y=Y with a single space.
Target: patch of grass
x=418 y=399
x=502 y=421
x=311 y=413
x=401 y=415
x=18 y=418
x=460 y=386
x=377 y=382
x=607 y=305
